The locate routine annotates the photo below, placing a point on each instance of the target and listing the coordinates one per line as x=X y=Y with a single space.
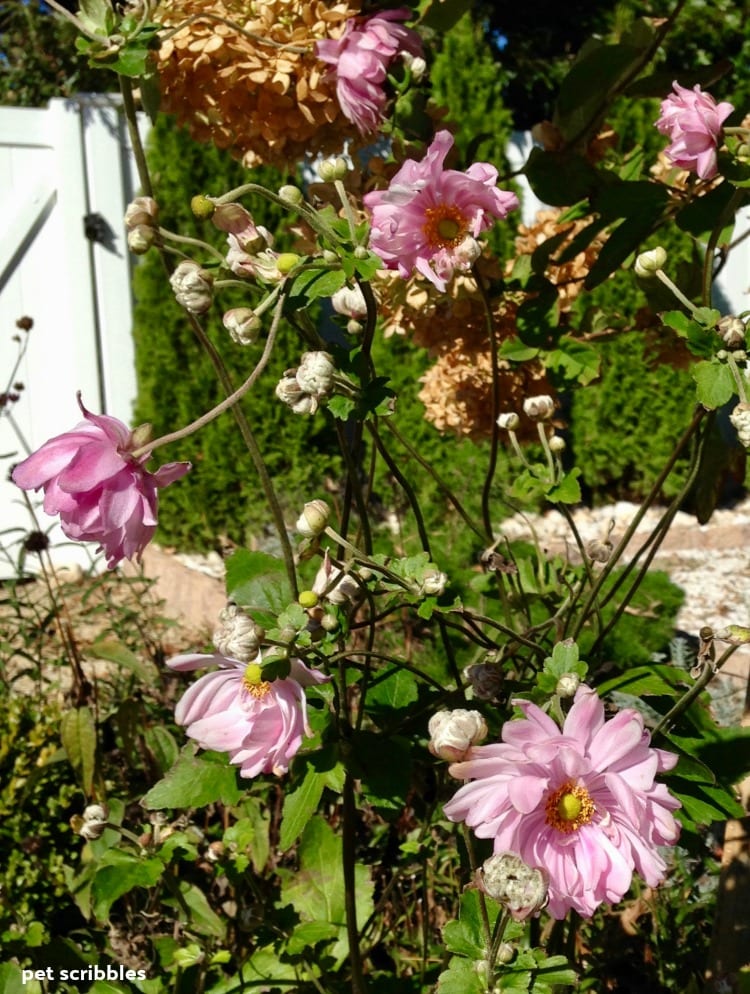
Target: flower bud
x=308 y=599
x=141 y=211
x=740 y=418
x=333 y=169
x=94 y=821
x=140 y=239
x=539 y=408
x=647 y=263
x=467 y=252
x=567 y=685
x=350 y=301
x=360 y=252
x=314 y=519
x=315 y=373
x=232 y=218
x=453 y=733
x=505 y=953
x=557 y=444
x=509 y=881
x=336 y=586
x=192 y=286
x=732 y=331
x=433 y=583
x=202 y=206
x=289 y=390
x=509 y=421
x=599 y=551
x=286 y=261
x=291 y=195
x=243 y=325
x=416 y=64
x=237 y=635
x=486 y=680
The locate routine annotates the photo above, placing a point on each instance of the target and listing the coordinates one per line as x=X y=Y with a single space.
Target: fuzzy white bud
x=567 y=685
x=509 y=881
x=732 y=331
x=315 y=373
x=141 y=211
x=453 y=733
x=243 y=325
x=237 y=635
x=540 y=408
x=192 y=286
x=313 y=520
x=94 y=821
x=509 y=421
x=350 y=301
x=647 y=263
x=289 y=390
x=740 y=418
x=433 y=583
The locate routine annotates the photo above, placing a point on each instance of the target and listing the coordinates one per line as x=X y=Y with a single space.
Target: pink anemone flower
x=580 y=804
x=259 y=723
x=101 y=490
x=692 y=119
x=429 y=216
x=360 y=59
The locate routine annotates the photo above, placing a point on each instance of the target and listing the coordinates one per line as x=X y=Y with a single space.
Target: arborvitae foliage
x=39 y=59
x=221 y=497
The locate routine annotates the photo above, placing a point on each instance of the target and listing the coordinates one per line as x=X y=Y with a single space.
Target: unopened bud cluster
x=732 y=331
x=740 y=418
x=509 y=881
x=192 y=286
x=141 y=223
x=243 y=325
x=94 y=821
x=453 y=733
x=303 y=388
x=237 y=636
x=540 y=408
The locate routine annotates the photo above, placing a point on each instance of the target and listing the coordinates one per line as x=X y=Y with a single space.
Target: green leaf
x=645 y=681
x=561 y=178
x=78 y=735
x=384 y=765
x=299 y=807
x=715 y=383
x=96 y=15
x=461 y=977
x=193 y=783
x=679 y=321
x=258 y=582
x=115 y=652
x=514 y=350
x=576 y=361
x=316 y=889
x=397 y=688
x=203 y=919
x=538 y=317
x=568 y=490
x=311 y=284
x=163 y=746
x=249 y=835
x=583 y=91
x=11 y=981
x=118 y=873
x=309 y=934
x=466 y=936
x=699 y=217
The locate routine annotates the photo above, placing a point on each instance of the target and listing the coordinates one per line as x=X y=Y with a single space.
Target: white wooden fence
x=66 y=176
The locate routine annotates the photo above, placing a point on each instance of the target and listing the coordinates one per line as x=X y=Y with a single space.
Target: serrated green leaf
x=715 y=383
x=78 y=735
x=643 y=681
x=193 y=783
x=679 y=321
x=309 y=934
x=461 y=977
x=299 y=807
x=258 y=582
x=568 y=490
x=341 y=407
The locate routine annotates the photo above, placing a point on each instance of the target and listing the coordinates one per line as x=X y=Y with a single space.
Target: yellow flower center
x=444 y=227
x=569 y=808
x=253 y=681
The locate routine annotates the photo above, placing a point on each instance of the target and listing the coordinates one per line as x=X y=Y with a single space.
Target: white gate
x=66 y=176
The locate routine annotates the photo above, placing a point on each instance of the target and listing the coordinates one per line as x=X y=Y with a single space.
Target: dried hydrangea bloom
x=259 y=723
x=580 y=803
x=254 y=85
x=102 y=492
x=568 y=277
x=428 y=217
x=693 y=122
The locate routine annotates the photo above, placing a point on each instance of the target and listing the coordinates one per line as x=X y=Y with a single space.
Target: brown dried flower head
x=244 y=75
